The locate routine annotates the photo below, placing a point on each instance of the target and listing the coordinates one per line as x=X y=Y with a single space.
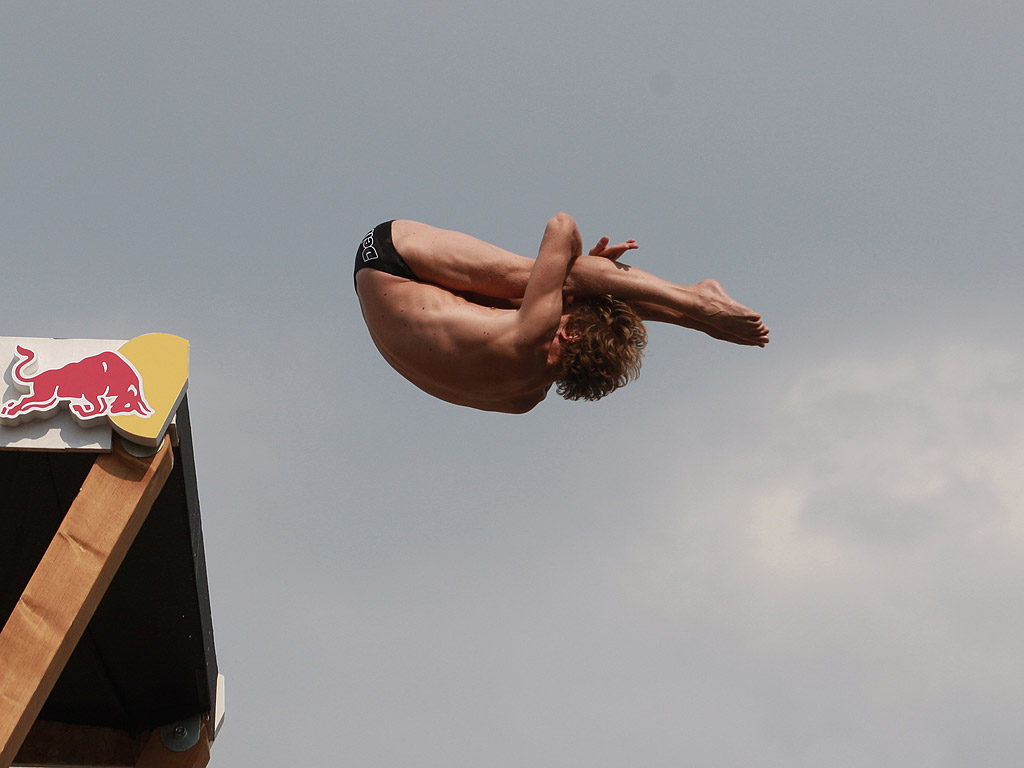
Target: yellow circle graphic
x=161 y=360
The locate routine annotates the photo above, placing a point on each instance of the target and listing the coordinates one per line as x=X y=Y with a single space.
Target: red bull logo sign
x=100 y=384
x=59 y=388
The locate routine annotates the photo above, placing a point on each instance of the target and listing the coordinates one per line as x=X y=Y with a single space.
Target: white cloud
x=878 y=523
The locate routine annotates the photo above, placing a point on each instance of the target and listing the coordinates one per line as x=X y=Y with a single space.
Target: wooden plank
x=59 y=744
x=156 y=755
x=69 y=582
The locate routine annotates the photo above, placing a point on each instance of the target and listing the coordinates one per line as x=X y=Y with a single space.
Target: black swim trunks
x=378 y=252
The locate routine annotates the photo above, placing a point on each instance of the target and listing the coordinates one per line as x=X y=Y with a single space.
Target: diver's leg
x=461 y=262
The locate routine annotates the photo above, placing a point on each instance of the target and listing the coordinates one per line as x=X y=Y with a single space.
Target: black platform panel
x=147 y=657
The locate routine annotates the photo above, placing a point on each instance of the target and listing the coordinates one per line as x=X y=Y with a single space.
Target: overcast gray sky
x=807 y=555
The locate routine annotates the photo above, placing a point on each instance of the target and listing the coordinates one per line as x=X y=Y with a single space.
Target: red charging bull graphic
x=105 y=384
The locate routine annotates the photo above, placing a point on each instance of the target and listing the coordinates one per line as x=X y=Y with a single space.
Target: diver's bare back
x=451 y=348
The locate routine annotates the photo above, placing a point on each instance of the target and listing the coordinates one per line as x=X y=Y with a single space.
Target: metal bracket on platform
x=137 y=450
x=140 y=451
x=182 y=735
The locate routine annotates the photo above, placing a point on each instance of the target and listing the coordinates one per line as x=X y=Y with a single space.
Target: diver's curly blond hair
x=608 y=349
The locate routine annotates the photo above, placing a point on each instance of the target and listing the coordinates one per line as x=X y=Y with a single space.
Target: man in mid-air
x=479 y=326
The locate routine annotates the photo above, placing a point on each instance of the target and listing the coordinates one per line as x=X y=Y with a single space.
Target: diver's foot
x=722 y=317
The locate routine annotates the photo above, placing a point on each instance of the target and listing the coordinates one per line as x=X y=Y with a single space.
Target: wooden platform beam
x=62 y=595
x=80 y=746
